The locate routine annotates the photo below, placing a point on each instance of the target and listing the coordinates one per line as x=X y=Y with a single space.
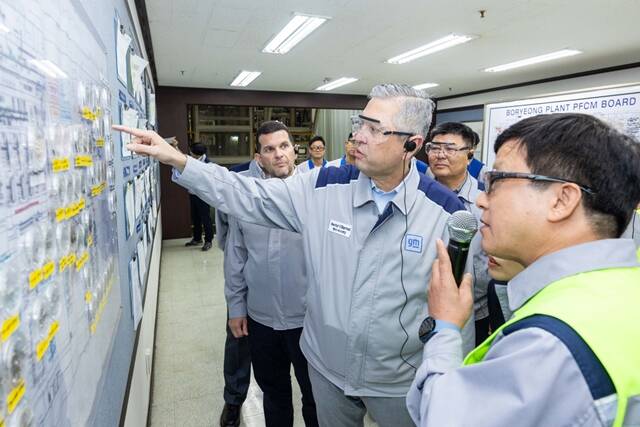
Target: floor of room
x=189 y=349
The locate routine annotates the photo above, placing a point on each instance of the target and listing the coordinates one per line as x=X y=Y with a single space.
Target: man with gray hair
x=369 y=234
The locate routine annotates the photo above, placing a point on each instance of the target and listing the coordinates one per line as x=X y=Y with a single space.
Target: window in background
x=229 y=131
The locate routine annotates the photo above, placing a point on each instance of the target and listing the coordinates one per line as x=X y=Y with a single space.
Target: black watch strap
x=426 y=330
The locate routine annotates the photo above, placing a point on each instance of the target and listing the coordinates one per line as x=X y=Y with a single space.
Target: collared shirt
x=381 y=198
x=357 y=279
x=340 y=161
x=529 y=377
x=633 y=229
x=308 y=165
x=265 y=274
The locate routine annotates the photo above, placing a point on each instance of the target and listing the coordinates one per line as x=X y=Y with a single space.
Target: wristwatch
x=426 y=330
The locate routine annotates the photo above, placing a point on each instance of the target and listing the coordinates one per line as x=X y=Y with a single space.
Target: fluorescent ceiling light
x=337 y=83
x=425 y=86
x=293 y=33
x=49 y=68
x=429 y=48
x=245 y=77
x=4 y=28
x=535 y=60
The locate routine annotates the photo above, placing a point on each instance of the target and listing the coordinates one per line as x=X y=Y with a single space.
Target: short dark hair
x=198 y=149
x=469 y=137
x=266 y=128
x=584 y=149
x=317 y=138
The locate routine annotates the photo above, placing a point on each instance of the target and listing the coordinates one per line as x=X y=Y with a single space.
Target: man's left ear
x=565 y=203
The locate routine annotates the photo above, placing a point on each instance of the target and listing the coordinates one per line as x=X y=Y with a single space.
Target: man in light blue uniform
x=349 y=157
x=316 y=159
x=360 y=330
x=450 y=151
x=265 y=287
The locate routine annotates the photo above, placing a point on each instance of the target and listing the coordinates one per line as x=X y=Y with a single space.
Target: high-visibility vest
x=602 y=308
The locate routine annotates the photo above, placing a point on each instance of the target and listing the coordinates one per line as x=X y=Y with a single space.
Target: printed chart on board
x=618 y=107
x=59 y=293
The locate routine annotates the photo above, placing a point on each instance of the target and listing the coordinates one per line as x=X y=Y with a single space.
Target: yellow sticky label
x=87 y=296
x=53 y=330
x=100 y=142
x=87 y=114
x=66 y=261
x=14 y=397
x=80 y=262
x=93 y=328
x=48 y=269
x=1 y=422
x=69 y=211
x=61 y=214
x=90 y=240
x=9 y=326
x=35 y=277
x=61 y=164
x=83 y=161
x=41 y=348
x=81 y=204
x=97 y=189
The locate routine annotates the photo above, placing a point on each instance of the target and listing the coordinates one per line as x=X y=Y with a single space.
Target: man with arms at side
x=561 y=194
x=200 y=212
x=449 y=152
x=265 y=288
x=360 y=329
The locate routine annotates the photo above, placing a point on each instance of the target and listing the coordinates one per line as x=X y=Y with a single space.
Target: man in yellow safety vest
x=562 y=192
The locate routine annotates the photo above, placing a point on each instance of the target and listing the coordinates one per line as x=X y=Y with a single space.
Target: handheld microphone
x=462 y=227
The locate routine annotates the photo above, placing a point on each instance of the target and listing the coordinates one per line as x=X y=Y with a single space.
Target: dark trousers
x=200 y=217
x=272 y=353
x=237 y=368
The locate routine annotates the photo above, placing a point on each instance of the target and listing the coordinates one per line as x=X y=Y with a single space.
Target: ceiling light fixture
x=425 y=86
x=535 y=60
x=429 y=48
x=336 y=83
x=245 y=78
x=49 y=68
x=293 y=33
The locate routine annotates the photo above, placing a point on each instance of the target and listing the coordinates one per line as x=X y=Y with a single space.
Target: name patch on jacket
x=339 y=228
x=413 y=243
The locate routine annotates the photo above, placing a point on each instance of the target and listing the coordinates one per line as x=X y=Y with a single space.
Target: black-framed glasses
x=447 y=148
x=368 y=127
x=490 y=177
x=317 y=148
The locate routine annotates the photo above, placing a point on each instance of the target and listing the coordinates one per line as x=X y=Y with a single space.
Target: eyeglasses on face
x=449 y=149
x=316 y=148
x=370 y=129
x=491 y=177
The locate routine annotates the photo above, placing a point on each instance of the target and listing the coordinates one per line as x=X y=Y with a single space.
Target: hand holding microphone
x=451 y=297
x=462 y=227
